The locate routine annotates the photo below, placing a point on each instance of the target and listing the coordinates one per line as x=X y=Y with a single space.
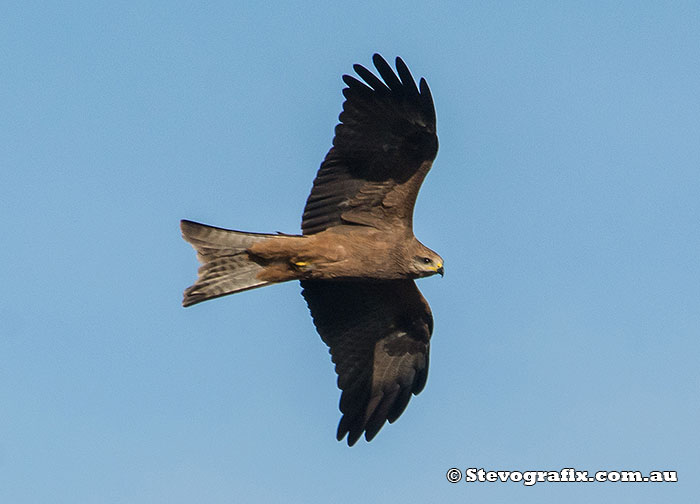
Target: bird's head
x=426 y=263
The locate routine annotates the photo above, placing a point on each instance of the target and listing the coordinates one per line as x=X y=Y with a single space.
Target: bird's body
x=357 y=256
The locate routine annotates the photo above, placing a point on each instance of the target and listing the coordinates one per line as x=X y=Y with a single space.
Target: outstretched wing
x=382 y=150
x=378 y=334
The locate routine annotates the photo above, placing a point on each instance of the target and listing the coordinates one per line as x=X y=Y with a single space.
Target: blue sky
x=565 y=200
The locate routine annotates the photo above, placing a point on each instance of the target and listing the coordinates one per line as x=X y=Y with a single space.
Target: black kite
x=357 y=257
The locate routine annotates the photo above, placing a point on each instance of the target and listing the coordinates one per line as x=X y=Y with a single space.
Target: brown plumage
x=357 y=257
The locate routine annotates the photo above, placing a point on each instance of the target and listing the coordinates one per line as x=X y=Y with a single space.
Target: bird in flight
x=357 y=257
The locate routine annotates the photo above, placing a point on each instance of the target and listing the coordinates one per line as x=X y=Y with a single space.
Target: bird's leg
x=301 y=265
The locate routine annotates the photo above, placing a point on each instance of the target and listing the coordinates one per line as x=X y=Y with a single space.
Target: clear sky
x=565 y=200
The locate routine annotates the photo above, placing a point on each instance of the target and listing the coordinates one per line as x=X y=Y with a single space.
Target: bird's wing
x=382 y=150
x=378 y=334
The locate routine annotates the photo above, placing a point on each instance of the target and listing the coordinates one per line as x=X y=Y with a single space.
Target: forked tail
x=226 y=266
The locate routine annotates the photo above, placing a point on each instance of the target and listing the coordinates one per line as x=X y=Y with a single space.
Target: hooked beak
x=441 y=271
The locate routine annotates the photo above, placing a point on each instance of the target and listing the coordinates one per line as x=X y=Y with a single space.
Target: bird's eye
x=427 y=260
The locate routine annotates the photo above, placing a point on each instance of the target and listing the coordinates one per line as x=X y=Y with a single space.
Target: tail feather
x=226 y=266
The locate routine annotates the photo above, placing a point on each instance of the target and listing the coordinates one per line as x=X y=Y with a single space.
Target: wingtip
x=380 y=62
x=353 y=434
x=351 y=438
